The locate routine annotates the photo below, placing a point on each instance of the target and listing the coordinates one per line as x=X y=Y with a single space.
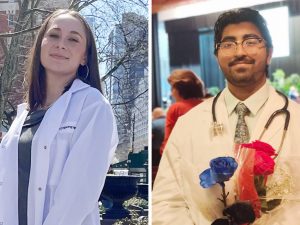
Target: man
x=243 y=48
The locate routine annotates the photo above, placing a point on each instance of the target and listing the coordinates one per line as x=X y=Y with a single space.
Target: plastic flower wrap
x=256 y=162
x=245 y=179
x=221 y=170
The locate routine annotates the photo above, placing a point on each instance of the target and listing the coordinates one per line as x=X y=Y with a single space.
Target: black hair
x=238 y=16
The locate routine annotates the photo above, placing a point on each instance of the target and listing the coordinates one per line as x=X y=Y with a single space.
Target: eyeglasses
x=250 y=46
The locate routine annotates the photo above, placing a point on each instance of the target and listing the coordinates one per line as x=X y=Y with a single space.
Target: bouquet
x=256 y=162
x=221 y=170
x=253 y=163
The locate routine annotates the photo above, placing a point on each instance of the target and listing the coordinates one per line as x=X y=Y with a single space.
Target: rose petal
x=264 y=164
x=264 y=147
x=206 y=180
x=222 y=168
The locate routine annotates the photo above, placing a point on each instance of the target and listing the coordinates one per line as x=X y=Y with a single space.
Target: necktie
x=241 y=130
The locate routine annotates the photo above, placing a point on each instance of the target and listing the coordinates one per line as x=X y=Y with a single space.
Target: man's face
x=241 y=68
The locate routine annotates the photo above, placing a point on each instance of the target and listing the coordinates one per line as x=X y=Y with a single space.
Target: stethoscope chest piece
x=217 y=129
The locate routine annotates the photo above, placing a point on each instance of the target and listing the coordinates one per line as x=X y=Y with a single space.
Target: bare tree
x=121 y=33
x=16 y=45
x=11 y=51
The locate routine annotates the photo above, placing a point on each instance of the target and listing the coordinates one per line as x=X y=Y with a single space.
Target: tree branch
x=72 y=4
x=85 y=4
x=36 y=3
x=115 y=67
x=19 y=32
x=131 y=100
x=3 y=45
x=38 y=10
x=19 y=4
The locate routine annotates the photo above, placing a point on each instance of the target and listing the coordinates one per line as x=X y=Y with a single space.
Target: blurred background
x=183 y=37
x=121 y=32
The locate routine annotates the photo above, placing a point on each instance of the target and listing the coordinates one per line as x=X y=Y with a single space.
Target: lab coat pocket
x=59 y=152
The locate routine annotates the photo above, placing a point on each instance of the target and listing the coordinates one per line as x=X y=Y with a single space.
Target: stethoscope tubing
x=283 y=110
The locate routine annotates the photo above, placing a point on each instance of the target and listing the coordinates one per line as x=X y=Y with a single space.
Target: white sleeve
x=168 y=204
x=83 y=176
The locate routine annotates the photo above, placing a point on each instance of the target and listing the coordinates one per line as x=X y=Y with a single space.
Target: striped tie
x=241 y=130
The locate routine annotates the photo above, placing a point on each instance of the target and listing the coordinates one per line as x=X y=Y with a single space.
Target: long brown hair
x=35 y=74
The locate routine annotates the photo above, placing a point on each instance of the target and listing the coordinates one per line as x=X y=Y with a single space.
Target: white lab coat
x=71 y=152
x=178 y=197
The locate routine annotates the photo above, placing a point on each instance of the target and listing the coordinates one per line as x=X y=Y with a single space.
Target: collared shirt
x=254 y=103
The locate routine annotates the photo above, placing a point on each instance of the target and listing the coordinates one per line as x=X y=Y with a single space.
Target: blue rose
x=221 y=170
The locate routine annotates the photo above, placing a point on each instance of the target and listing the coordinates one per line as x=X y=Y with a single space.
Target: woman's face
x=63 y=47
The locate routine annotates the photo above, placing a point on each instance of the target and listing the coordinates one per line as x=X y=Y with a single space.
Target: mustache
x=242 y=59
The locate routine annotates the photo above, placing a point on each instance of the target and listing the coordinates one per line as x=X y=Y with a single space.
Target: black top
x=29 y=128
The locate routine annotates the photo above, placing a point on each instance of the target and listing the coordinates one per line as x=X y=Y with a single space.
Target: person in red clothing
x=187 y=90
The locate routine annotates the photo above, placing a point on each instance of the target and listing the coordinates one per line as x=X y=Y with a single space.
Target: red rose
x=261 y=146
x=264 y=147
x=263 y=164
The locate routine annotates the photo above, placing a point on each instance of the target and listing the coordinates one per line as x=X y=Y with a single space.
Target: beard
x=242 y=71
x=240 y=77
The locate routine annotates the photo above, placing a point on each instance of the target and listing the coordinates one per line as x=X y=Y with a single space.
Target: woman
x=54 y=158
x=187 y=91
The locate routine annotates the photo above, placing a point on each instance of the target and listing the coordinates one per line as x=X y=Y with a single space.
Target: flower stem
x=224 y=196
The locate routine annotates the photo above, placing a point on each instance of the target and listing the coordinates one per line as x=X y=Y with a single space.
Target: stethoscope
x=217 y=128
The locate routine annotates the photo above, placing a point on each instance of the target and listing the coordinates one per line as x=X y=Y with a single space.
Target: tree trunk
x=9 y=70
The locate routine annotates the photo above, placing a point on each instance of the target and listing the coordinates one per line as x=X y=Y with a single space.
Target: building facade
x=127 y=87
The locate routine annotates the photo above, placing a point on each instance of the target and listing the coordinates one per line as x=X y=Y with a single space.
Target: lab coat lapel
x=40 y=158
x=224 y=141
x=9 y=211
x=207 y=149
x=203 y=145
x=274 y=132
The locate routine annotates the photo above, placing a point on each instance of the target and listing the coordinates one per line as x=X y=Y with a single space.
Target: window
x=10 y=20
x=278 y=24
